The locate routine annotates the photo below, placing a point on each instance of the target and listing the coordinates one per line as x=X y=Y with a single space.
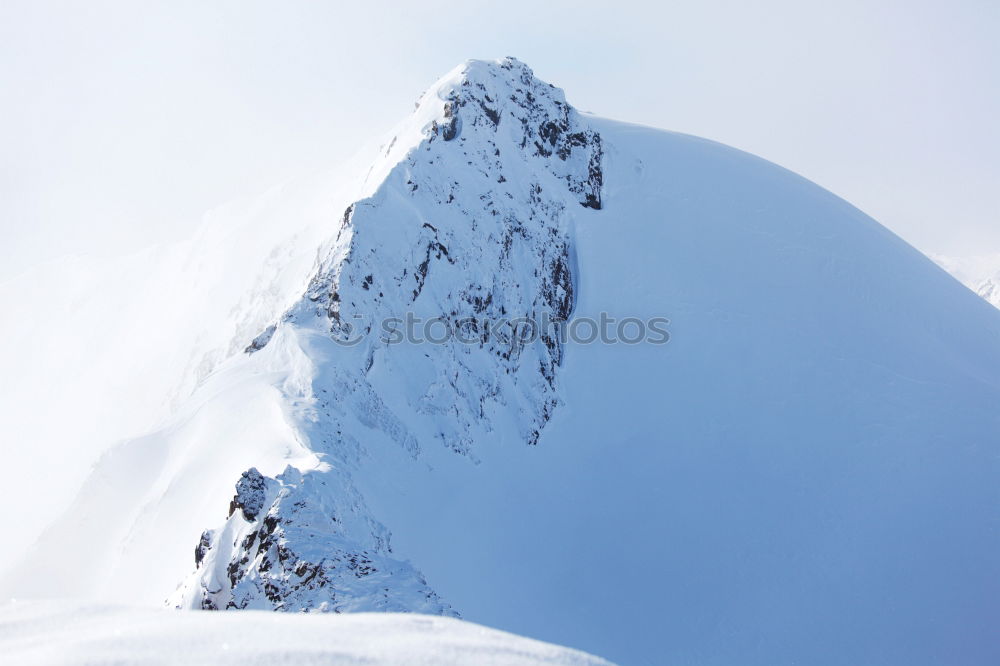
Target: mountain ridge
x=793 y=468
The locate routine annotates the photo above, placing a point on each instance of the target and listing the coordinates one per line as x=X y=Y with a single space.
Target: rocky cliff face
x=291 y=543
x=471 y=229
x=434 y=320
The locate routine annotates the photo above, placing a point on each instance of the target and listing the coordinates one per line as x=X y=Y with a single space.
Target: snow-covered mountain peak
x=473 y=224
x=498 y=109
x=469 y=237
x=803 y=461
x=490 y=91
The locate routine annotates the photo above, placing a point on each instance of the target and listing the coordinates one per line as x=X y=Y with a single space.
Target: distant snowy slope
x=61 y=634
x=981 y=274
x=807 y=473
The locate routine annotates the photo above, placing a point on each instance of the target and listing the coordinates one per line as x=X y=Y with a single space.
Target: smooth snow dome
x=75 y=633
x=807 y=473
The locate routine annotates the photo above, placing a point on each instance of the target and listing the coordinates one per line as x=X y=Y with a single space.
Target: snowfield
x=63 y=633
x=807 y=473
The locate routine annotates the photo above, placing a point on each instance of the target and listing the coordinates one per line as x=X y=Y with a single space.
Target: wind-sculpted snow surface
x=807 y=473
x=65 y=633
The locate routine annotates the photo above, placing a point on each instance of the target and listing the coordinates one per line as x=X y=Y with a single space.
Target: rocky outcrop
x=261 y=340
x=289 y=544
x=475 y=235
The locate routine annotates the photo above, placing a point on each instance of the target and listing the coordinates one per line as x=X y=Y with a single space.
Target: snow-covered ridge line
x=474 y=221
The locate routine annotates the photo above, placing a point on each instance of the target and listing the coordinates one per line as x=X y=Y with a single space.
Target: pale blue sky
x=120 y=122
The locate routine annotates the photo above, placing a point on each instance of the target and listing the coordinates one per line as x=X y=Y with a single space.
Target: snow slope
x=77 y=633
x=806 y=473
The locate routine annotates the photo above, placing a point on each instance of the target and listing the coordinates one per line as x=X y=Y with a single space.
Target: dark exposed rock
x=261 y=340
x=204 y=543
x=251 y=493
x=294 y=556
x=450 y=129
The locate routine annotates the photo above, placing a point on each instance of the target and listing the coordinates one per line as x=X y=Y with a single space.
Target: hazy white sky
x=120 y=122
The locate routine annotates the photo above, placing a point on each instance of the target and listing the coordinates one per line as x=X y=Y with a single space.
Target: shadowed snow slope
x=807 y=473
x=66 y=633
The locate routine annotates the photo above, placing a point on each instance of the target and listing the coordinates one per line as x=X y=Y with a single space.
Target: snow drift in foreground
x=61 y=633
